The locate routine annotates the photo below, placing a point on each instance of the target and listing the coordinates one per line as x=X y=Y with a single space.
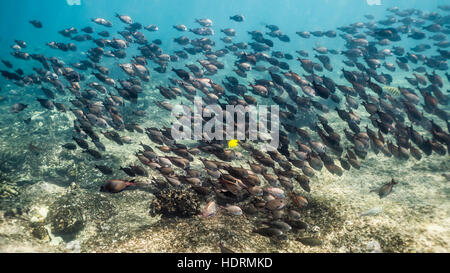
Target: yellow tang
x=233 y=143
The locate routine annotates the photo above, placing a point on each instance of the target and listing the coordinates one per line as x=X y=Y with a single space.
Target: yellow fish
x=233 y=143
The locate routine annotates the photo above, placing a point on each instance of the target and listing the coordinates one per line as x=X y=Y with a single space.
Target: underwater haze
x=89 y=162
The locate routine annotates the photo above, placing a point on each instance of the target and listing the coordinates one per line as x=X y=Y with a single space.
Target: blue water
x=290 y=15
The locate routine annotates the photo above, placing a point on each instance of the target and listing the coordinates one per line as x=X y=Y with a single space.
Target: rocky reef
x=175 y=203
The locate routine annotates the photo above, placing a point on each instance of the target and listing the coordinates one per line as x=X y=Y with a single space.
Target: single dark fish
x=237 y=18
x=8 y=64
x=10 y=76
x=70 y=146
x=116 y=185
x=128 y=171
x=36 y=23
x=181 y=73
x=81 y=142
x=104 y=169
x=61 y=107
x=48 y=104
x=386 y=189
x=268 y=232
x=94 y=153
